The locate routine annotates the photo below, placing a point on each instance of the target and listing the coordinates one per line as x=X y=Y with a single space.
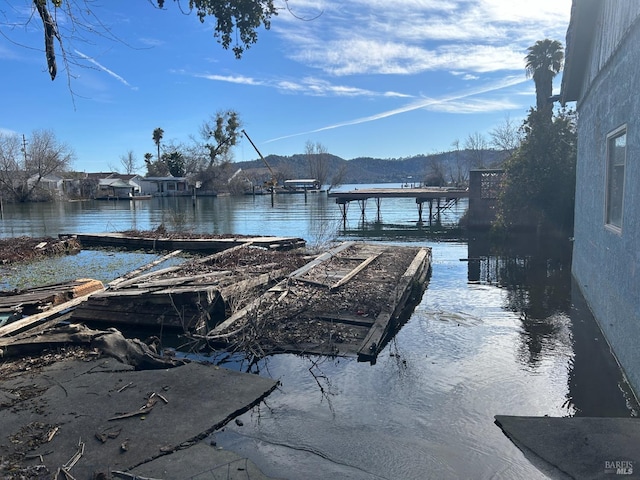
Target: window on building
x=616 y=158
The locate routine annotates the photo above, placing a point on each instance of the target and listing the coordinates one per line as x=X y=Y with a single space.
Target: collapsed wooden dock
x=348 y=301
x=192 y=297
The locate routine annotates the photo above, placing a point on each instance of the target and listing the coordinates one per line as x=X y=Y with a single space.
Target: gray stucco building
x=602 y=75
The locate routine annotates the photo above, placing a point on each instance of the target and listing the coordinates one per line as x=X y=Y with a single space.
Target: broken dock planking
x=192 y=297
x=43 y=301
x=197 y=243
x=347 y=301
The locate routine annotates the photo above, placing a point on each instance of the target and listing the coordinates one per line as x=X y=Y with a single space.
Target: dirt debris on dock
x=20 y=249
x=344 y=302
x=77 y=414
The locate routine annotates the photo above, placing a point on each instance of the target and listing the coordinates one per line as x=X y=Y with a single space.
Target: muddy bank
x=82 y=413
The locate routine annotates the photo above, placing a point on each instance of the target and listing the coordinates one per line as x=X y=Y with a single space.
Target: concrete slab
x=73 y=402
x=577 y=447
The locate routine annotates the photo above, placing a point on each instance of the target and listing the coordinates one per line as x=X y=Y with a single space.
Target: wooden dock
x=191 y=297
x=347 y=301
x=198 y=244
x=438 y=199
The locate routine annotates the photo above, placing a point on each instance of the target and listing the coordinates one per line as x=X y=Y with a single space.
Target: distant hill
x=452 y=165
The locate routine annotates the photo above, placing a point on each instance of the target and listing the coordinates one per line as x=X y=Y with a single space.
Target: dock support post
x=378 y=201
x=419 y=211
x=363 y=206
x=430 y=210
x=343 y=210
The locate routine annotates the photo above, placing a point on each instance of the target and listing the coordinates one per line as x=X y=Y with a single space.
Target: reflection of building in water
x=516 y=261
x=484 y=188
x=536 y=277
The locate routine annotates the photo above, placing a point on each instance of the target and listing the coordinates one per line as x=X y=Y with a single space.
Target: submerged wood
x=202 y=244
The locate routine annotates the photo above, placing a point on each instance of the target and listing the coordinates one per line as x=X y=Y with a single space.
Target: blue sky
x=373 y=78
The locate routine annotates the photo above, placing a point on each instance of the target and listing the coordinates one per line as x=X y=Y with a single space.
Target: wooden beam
x=321 y=258
x=144 y=268
x=354 y=272
x=34 y=320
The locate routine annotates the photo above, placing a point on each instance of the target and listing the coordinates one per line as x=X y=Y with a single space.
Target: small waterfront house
x=301 y=185
x=601 y=76
x=164 y=186
x=51 y=183
x=117 y=186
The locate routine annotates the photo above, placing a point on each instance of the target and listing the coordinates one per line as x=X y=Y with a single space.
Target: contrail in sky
x=105 y=69
x=506 y=82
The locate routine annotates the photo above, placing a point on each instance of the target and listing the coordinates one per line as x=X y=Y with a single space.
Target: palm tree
x=543 y=62
x=157 y=137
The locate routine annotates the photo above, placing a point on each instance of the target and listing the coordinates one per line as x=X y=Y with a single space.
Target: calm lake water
x=499 y=330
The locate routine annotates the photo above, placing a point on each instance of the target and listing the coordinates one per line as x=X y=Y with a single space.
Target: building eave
x=578 y=44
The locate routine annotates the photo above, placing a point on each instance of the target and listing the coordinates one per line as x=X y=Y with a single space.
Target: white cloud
x=105 y=69
x=239 y=79
x=354 y=37
x=306 y=86
x=473 y=105
x=452 y=103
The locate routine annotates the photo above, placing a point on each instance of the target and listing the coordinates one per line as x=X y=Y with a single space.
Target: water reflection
x=535 y=274
x=502 y=333
x=597 y=387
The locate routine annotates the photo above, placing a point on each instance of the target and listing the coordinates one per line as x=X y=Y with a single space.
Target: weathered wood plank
x=144 y=268
x=321 y=258
x=244 y=285
x=355 y=271
x=208 y=278
x=195 y=244
x=356 y=320
x=371 y=345
x=213 y=257
x=139 y=278
x=34 y=320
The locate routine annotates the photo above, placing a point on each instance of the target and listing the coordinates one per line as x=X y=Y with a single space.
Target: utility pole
x=24 y=150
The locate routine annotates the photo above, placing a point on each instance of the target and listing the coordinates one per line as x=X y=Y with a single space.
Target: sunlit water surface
x=499 y=330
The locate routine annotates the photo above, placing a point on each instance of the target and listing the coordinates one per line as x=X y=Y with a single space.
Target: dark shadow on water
x=402 y=232
x=535 y=272
x=597 y=387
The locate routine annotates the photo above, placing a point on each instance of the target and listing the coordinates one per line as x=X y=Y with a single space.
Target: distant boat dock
x=438 y=198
